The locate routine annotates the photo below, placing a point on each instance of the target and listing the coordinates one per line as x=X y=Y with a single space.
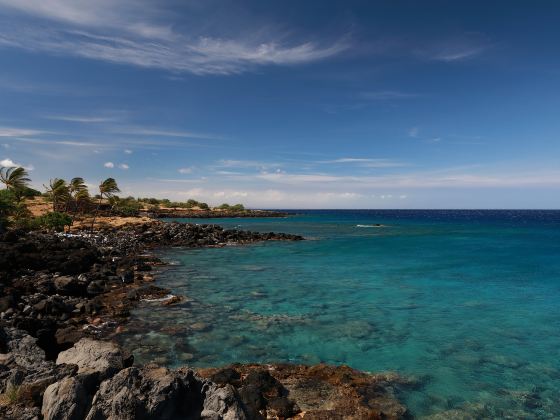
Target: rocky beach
x=65 y=297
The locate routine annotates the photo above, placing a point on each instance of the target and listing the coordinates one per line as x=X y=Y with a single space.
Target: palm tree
x=58 y=191
x=78 y=194
x=82 y=199
x=107 y=188
x=76 y=188
x=15 y=179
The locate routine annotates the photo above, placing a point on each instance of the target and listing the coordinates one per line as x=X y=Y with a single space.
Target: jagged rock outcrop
x=25 y=374
x=65 y=400
x=101 y=359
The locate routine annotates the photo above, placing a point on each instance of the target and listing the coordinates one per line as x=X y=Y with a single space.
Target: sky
x=288 y=104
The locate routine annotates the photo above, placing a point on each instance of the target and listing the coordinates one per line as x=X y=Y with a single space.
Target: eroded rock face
x=65 y=400
x=93 y=357
x=222 y=403
x=148 y=393
x=25 y=375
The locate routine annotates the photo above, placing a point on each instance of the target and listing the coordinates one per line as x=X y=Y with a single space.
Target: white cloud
x=109 y=164
x=10 y=163
x=124 y=166
x=185 y=170
x=128 y=151
x=132 y=33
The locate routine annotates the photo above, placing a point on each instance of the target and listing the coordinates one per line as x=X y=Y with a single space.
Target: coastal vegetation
x=72 y=200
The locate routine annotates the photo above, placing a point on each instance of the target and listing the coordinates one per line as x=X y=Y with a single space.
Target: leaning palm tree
x=58 y=191
x=107 y=188
x=83 y=200
x=76 y=188
x=15 y=179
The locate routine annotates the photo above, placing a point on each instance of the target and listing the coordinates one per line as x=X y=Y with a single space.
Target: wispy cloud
x=448 y=178
x=185 y=170
x=413 y=132
x=18 y=132
x=387 y=95
x=109 y=165
x=456 y=49
x=158 y=132
x=367 y=162
x=458 y=54
x=99 y=30
x=79 y=119
x=74 y=143
x=241 y=164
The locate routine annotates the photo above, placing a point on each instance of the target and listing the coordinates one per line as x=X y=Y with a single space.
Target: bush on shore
x=7 y=207
x=53 y=221
x=235 y=207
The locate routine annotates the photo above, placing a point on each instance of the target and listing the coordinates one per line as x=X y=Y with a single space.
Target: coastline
x=214 y=214
x=101 y=277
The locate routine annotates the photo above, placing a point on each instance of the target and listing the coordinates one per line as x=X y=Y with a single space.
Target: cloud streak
x=97 y=30
x=17 y=132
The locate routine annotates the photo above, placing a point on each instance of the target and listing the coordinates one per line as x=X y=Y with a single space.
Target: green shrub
x=52 y=221
x=127 y=207
x=203 y=206
x=30 y=192
x=7 y=207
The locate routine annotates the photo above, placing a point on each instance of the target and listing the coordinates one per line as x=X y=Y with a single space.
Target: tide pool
x=466 y=302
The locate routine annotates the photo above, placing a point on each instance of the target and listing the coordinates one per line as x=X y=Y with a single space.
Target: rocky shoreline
x=64 y=296
x=214 y=214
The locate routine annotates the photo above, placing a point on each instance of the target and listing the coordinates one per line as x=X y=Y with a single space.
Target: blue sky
x=354 y=104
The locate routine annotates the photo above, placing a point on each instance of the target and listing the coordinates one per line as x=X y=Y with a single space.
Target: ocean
x=465 y=303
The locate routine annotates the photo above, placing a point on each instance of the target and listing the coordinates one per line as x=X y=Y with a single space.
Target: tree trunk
x=96 y=211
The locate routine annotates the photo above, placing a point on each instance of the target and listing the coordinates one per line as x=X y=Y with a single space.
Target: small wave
x=162 y=299
x=369 y=226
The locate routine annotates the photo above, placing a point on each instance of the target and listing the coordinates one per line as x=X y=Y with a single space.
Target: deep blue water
x=467 y=302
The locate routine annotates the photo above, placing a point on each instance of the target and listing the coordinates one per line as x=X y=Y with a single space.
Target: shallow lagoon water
x=466 y=302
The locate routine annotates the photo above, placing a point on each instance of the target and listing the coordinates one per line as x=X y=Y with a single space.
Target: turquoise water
x=465 y=302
